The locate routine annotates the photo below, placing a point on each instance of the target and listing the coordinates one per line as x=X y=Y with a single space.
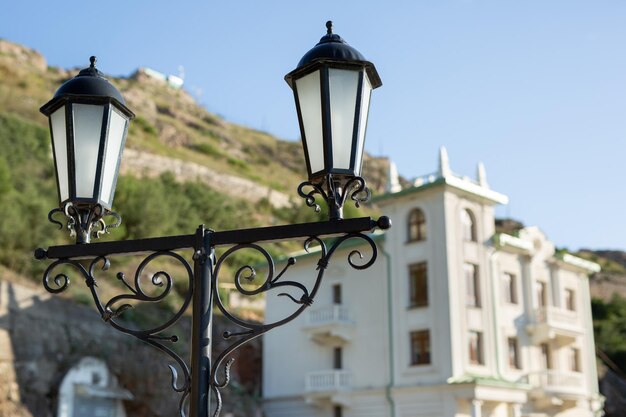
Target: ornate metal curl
x=248 y=273
x=85 y=221
x=161 y=280
x=335 y=191
x=158 y=285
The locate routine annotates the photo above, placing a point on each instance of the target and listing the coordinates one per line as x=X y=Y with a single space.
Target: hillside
x=170 y=124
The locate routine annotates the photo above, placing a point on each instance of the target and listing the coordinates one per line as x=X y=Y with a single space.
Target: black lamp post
x=88 y=124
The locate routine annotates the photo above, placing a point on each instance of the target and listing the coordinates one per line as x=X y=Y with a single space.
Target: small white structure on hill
x=453 y=320
x=171 y=80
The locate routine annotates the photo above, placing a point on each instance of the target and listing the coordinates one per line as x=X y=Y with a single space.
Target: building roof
x=444 y=176
x=455 y=181
x=524 y=246
x=575 y=261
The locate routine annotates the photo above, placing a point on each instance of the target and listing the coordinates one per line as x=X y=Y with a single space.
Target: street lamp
x=332 y=85
x=88 y=124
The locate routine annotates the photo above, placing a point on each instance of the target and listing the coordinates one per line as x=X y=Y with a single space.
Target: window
x=417 y=225
x=541 y=293
x=420 y=347
x=337 y=358
x=418 y=285
x=574 y=359
x=337 y=411
x=546 y=356
x=337 y=294
x=468 y=224
x=509 y=288
x=475 y=342
x=472 y=284
x=513 y=348
x=570 y=300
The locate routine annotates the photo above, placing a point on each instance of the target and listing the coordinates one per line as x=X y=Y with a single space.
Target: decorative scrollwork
x=110 y=311
x=249 y=280
x=335 y=191
x=252 y=330
x=85 y=221
x=101 y=228
x=61 y=280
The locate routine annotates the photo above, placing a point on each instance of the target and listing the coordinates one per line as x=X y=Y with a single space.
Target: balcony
x=551 y=323
x=331 y=325
x=556 y=388
x=330 y=386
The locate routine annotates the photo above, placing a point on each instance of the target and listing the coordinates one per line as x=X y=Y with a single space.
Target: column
x=515 y=410
x=477 y=408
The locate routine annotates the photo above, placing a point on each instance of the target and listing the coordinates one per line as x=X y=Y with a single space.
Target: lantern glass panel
x=115 y=141
x=365 y=106
x=59 y=135
x=343 y=86
x=310 y=102
x=87 y=135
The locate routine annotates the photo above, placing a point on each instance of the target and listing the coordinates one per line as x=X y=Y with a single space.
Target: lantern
x=88 y=124
x=332 y=86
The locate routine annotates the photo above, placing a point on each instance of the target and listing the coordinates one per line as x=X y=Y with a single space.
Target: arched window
x=468 y=223
x=417 y=225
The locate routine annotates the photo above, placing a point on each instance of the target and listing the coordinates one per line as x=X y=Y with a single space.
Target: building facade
x=453 y=319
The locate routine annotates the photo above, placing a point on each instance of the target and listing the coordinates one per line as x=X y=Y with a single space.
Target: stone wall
x=140 y=163
x=43 y=336
x=604 y=285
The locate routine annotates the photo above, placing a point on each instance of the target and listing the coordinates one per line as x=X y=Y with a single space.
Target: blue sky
x=534 y=89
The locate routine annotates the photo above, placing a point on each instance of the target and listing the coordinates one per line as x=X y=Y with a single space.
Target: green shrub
x=207 y=149
x=609 y=322
x=238 y=163
x=146 y=126
x=27 y=193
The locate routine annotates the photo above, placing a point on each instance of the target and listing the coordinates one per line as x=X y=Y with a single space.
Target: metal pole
x=201 y=332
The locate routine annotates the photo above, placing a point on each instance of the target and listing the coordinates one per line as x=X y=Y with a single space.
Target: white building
x=452 y=320
x=90 y=390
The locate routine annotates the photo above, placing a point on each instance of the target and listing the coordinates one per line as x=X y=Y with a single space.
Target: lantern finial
x=92 y=60
x=329 y=27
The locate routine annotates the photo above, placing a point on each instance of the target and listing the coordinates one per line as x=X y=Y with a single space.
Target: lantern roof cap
x=333 y=48
x=89 y=81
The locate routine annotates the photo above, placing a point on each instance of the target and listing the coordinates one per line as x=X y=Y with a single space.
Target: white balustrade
x=326 y=381
x=558 y=380
x=337 y=313
x=554 y=315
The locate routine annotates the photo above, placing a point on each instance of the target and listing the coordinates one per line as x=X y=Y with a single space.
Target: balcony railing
x=330 y=381
x=551 y=323
x=554 y=315
x=563 y=384
x=335 y=314
x=330 y=325
x=558 y=379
